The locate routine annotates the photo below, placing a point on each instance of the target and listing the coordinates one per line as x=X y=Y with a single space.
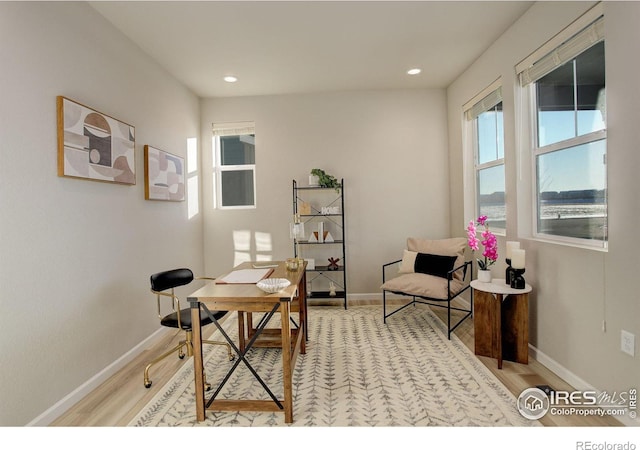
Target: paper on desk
x=246 y=276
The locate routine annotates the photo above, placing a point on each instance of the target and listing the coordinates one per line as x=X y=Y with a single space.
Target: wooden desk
x=250 y=299
x=501 y=321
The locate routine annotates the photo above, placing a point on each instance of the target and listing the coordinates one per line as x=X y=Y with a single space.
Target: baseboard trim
x=62 y=406
x=574 y=380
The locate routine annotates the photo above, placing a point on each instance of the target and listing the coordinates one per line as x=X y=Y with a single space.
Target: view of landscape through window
x=570 y=156
x=490 y=175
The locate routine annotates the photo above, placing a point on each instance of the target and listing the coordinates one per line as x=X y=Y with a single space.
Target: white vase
x=484 y=276
x=314 y=180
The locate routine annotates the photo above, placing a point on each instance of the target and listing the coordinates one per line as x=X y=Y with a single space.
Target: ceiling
x=304 y=46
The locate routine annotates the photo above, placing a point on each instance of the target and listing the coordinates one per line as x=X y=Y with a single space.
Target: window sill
x=568 y=243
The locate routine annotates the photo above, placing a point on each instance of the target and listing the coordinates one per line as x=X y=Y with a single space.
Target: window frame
x=564 y=145
x=491 y=95
x=219 y=168
x=529 y=110
x=478 y=167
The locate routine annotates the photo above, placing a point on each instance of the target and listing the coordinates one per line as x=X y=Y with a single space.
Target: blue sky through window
x=563 y=170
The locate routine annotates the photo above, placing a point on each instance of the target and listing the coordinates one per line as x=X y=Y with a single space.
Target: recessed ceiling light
x=414 y=71
x=230 y=79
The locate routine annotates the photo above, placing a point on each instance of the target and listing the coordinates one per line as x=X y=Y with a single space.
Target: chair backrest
x=171 y=278
x=446 y=247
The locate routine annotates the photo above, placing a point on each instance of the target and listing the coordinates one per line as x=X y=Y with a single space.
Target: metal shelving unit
x=320 y=278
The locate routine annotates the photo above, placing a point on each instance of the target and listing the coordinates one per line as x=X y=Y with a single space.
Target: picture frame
x=93 y=145
x=164 y=175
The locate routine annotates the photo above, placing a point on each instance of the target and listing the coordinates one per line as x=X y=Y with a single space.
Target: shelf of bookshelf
x=326 y=269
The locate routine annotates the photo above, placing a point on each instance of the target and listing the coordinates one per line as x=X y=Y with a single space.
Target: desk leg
x=302 y=300
x=241 y=331
x=285 y=311
x=198 y=365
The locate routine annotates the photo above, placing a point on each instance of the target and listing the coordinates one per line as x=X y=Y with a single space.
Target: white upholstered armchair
x=431 y=272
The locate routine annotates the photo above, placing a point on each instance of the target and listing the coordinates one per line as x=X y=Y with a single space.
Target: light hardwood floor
x=117 y=400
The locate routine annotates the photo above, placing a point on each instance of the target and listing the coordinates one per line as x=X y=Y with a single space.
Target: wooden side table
x=501 y=321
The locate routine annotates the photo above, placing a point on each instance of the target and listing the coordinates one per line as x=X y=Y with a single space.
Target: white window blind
x=487 y=102
x=234 y=128
x=546 y=59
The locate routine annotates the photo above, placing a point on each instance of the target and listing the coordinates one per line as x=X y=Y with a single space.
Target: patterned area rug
x=357 y=372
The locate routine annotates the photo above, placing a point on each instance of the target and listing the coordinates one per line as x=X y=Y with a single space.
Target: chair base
x=179 y=348
x=430 y=302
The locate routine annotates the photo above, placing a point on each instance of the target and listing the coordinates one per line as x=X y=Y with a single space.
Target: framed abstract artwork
x=163 y=175
x=94 y=146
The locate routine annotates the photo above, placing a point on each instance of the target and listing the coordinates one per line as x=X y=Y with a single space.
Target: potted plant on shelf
x=490 y=244
x=326 y=180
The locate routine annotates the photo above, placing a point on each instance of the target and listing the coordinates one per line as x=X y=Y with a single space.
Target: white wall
x=389 y=146
x=575 y=289
x=76 y=255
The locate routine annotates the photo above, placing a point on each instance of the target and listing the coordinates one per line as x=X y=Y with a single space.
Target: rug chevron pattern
x=357 y=372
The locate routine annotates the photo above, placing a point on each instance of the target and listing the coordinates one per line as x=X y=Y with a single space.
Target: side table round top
x=499 y=286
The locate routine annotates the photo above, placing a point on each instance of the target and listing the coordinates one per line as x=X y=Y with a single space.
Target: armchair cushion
x=423 y=285
x=436 y=265
x=444 y=247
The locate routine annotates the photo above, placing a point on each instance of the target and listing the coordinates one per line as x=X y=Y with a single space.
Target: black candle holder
x=508 y=274
x=517 y=280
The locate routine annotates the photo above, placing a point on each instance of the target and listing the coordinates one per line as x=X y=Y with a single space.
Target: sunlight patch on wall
x=263 y=242
x=241 y=246
x=193 y=188
x=192 y=155
x=193 y=204
x=240 y=257
x=264 y=246
x=244 y=251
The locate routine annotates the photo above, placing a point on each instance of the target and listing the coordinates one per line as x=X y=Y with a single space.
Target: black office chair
x=179 y=318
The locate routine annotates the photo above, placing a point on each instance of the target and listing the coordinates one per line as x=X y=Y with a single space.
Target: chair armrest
x=384 y=266
x=175 y=303
x=462 y=267
x=391 y=263
x=165 y=294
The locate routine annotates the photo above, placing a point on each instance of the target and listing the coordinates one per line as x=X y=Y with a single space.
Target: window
x=567 y=89
x=488 y=144
x=234 y=165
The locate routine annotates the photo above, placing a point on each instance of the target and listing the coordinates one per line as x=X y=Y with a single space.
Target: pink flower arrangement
x=489 y=242
x=472 y=240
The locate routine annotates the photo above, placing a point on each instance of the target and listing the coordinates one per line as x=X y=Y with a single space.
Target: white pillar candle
x=517 y=258
x=512 y=245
